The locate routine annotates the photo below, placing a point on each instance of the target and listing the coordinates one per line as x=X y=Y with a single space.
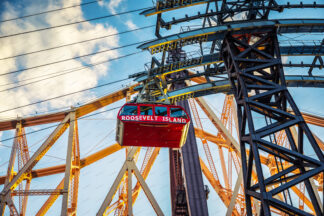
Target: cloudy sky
x=19 y=71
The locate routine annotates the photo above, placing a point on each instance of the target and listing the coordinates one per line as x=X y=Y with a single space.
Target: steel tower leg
x=253 y=63
x=193 y=201
x=196 y=196
x=179 y=203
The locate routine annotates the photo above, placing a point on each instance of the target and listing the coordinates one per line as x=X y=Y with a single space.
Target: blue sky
x=98 y=131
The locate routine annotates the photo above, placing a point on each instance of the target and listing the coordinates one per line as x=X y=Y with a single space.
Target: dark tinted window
x=161 y=111
x=129 y=110
x=146 y=110
x=177 y=112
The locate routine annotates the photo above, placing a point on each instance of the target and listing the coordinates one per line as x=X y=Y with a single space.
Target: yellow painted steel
x=100 y=154
x=104 y=101
x=52 y=141
x=165 y=46
x=50 y=201
x=158 y=11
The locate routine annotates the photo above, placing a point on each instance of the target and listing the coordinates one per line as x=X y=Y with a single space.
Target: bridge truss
x=239 y=55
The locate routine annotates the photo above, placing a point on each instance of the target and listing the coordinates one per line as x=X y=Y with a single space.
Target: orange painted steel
x=224 y=194
x=59 y=116
x=226 y=119
x=23 y=157
x=220 y=139
x=210 y=137
x=145 y=169
x=83 y=163
x=314 y=120
x=50 y=201
x=122 y=191
x=209 y=157
x=270 y=162
x=75 y=173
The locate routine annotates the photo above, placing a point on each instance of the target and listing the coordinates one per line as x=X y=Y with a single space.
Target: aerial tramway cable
x=50 y=11
x=75 y=43
x=49 y=127
x=73 y=23
x=64 y=95
x=56 y=125
x=72 y=70
x=64 y=60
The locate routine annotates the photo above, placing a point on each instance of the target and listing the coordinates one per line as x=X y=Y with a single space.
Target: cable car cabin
x=152 y=125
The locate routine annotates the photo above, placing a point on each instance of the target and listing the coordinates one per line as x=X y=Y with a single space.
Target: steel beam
x=22 y=174
x=59 y=116
x=217 y=32
x=164 y=6
x=50 y=201
x=196 y=197
x=179 y=205
x=129 y=164
x=68 y=165
x=233 y=11
x=235 y=194
x=145 y=169
x=4 y=198
x=253 y=63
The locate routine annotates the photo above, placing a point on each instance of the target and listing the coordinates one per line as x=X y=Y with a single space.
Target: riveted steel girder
x=253 y=63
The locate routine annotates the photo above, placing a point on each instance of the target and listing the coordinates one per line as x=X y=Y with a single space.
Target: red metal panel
x=152 y=130
x=152 y=135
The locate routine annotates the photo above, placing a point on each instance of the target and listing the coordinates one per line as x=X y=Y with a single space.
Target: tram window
x=146 y=110
x=177 y=112
x=129 y=110
x=161 y=111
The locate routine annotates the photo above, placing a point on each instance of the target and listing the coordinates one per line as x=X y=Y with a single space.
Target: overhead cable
x=64 y=73
x=71 y=70
x=73 y=23
x=64 y=95
x=68 y=59
x=74 y=43
x=50 y=11
x=56 y=125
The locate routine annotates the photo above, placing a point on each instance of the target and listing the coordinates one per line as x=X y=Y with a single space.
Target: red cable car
x=152 y=125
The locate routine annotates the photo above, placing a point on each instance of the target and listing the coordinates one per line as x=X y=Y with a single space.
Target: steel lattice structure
x=243 y=58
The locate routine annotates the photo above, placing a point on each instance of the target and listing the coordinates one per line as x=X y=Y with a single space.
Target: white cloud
x=112 y=5
x=72 y=82
x=131 y=25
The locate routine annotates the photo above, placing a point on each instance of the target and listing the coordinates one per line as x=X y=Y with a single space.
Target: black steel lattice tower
x=238 y=38
x=253 y=63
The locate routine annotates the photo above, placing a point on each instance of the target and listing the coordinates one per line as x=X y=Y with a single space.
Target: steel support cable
x=73 y=23
x=99 y=143
x=50 y=11
x=84 y=41
x=64 y=73
x=56 y=125
x=64 y=95
x=52 y=126
x=85 y=101
x=71 y=70
x=31 y=151
x=69 y=59
x=67 y=107
x=63 y=123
